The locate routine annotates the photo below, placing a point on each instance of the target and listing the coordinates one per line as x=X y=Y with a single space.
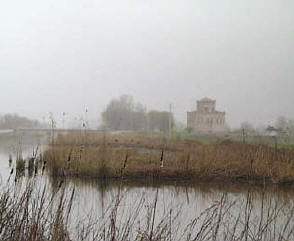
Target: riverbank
x=142 y=157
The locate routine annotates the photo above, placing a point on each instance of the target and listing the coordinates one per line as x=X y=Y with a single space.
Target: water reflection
x=187 y=200
x=94 y=198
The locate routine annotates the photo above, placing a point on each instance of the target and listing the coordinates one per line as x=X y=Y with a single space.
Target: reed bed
x=104 y=156
x=33 y=212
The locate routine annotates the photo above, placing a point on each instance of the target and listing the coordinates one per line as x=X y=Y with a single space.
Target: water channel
x=184 y=200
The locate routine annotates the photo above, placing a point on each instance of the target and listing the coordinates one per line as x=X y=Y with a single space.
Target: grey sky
x=65 y=55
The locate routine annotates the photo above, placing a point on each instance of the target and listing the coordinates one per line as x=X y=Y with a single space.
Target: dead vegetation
x=103 y=155
x=36 y=213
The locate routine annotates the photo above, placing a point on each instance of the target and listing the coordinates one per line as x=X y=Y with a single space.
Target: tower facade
x=205 y=119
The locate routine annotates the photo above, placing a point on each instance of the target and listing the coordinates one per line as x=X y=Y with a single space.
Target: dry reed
x=104 y=157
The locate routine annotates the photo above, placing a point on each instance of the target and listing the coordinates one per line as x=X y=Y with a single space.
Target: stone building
x=205 y=119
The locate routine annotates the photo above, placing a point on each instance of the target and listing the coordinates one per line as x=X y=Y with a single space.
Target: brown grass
x=100 y=155
x=37 y=214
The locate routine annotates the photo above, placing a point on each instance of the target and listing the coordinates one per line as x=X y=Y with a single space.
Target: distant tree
x=285 y=124
x=117 y=112
x=247 y=127
x=159 y=120
x=139 y=120
x=189 y=130
x=14 y=121
x=124 y=114
x=140 y=108
x=282 y=122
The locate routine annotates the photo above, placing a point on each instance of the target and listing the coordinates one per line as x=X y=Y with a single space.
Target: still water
x=181 y=201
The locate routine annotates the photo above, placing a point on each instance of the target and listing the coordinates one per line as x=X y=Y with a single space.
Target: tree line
x=14 y=121
x=284 y=125
x=124 y=113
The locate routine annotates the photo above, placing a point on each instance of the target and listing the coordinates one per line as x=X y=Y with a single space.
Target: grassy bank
x=140 y=156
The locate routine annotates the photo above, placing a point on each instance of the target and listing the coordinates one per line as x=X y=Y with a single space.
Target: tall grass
x=28 y=213
x=104 y=157
x=37 y=213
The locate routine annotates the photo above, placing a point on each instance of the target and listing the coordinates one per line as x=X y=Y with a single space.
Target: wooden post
x=170 y=121
x=243 y=135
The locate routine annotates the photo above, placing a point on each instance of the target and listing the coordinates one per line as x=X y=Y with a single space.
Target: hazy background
x=66 y=55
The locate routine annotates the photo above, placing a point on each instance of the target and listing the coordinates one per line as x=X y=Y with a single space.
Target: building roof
x=205 y=99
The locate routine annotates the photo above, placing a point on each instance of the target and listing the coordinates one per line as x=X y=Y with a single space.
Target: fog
x=67 y=55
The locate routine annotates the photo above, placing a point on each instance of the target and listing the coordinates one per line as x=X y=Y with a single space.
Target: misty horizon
x=62 y=56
